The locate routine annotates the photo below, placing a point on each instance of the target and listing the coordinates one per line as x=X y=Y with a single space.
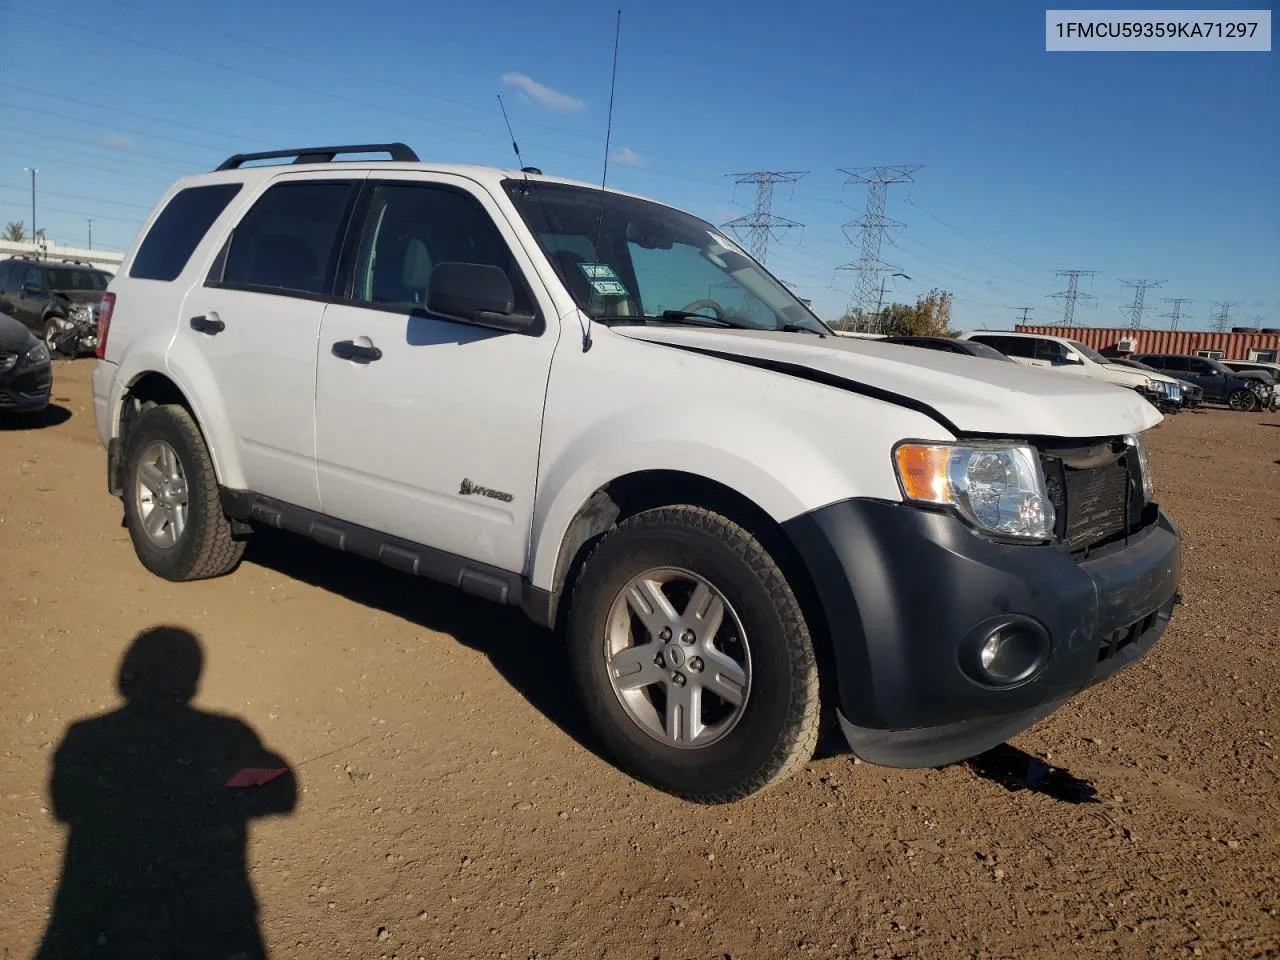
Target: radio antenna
x=604 y=173
x=613 y=82
x=514 y=146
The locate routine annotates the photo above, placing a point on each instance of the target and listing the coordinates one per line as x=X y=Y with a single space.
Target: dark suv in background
x=1219 y=383
x=44 y=295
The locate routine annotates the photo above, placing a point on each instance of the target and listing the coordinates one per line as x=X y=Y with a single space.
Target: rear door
x=256 y=320
x=31 y=297
x=436 y=440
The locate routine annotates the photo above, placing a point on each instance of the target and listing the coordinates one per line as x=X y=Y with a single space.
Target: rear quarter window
x=179 y=229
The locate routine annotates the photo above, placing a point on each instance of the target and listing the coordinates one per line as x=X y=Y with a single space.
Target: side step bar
x=478 y=579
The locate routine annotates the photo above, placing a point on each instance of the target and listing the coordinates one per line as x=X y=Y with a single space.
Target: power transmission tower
x=1174 y=315
x=1070 y=295
x=1223 y=316
x=1025 y=310
x=760 y=225
x=872 y=226
x=1137 y=308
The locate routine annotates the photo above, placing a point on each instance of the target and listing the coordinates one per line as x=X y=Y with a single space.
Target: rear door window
x=289 y=240
x=1051 y=350
x=179 y=229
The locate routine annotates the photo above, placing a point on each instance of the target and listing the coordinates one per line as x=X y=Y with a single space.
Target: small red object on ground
x=255 y=776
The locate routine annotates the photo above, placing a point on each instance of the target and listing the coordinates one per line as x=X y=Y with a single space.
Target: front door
x=1208 y=377
x=256 y=320
x=436 y=440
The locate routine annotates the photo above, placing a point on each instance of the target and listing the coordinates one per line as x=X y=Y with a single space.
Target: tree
x=930 y=316
x=16 y=231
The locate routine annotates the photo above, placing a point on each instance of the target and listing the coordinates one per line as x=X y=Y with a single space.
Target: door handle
x=349 y=350
x=210 y=325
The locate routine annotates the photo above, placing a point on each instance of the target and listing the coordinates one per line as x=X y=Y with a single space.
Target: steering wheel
x=705 y=305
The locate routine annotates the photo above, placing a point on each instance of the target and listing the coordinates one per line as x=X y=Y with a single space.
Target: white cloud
x=118 y=141
x=626 y=157
x=542 y=93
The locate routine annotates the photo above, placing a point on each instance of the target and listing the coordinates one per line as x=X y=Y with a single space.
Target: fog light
x=1006 y=651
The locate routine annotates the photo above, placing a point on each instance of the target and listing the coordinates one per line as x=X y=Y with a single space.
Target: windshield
x=1133 y=363
x=1089 y=352
x=626 y=260
x=70 y=278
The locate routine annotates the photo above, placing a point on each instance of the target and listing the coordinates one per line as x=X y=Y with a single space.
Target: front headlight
x=37 y=356
x=999 y=489
x=81 y=312
x=1139 y=444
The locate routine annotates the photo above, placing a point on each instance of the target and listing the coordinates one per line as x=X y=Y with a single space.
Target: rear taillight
x=104 y=321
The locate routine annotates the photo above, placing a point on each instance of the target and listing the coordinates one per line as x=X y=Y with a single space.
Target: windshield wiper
x=672 y=316
x=796 y=328
x=679 y=316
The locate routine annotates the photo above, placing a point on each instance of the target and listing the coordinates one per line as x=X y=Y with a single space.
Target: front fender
x=767 y=461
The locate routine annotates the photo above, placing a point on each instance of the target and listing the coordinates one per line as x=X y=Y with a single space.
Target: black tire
x=49 y=322
x=206 y=547
x=1246 y=401
x=777 y=731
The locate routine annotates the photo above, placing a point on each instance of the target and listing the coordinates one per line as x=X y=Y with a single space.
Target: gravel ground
x=445 y=801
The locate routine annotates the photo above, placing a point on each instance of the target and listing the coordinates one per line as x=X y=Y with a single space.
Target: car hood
x=971 y=395
x=14 y=337
x=1139 y=375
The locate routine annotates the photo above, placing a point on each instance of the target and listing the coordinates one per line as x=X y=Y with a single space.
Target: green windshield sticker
x=609 y=288
x=598 y=271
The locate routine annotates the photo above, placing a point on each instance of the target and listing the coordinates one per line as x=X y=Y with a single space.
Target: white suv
x=600 y=409
x=1074 y=357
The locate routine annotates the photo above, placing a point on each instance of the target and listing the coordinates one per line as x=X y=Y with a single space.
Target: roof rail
x=399 y=152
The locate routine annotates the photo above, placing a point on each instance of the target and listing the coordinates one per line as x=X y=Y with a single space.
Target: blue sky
x=1157 y=165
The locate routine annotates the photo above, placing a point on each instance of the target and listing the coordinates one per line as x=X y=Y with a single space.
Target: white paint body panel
x=628 y=405
x=446 y=402
x=978 y=396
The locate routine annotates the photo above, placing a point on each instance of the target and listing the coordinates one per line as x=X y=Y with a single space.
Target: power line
x=761 y=225
x=1174 y=315
x=872 y=226
x=1137 y=308
x=1220 y=319
x=971 y=238
x=1070 y=295
x=1025 y=311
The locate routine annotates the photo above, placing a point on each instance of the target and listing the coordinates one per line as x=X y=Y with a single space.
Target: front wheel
x=1242 y=400
x=54 y=330
x=693 y=657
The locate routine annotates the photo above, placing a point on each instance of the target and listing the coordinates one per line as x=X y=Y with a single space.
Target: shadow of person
x=155 y=856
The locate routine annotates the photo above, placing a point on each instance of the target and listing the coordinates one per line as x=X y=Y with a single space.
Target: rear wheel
x=693 y=657
x=171 y=502
x=1242 y=400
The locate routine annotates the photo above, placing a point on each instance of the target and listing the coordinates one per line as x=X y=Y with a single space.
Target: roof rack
x=399 y=152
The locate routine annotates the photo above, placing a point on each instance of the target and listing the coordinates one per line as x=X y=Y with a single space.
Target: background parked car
x=26 y=375
x=1218 y=381
x=54 y=298
x=1243 y=366
x=973 y=348
x=1071 y=356
x=1192 y=395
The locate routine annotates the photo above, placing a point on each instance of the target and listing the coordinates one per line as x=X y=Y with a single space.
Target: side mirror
x=475 y=293
x=1074 y=360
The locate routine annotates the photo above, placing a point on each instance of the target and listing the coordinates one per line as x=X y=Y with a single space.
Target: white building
x=108 y=260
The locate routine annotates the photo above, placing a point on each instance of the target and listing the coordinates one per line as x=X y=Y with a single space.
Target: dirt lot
x=449 y=802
